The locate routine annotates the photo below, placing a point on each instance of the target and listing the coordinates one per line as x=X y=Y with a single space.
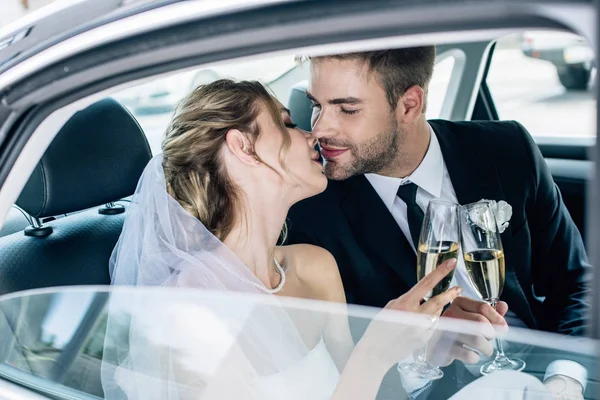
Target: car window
x=74 y=342
x=438 y=87
x=543 y=79
x=58 y=338
x=152 y=103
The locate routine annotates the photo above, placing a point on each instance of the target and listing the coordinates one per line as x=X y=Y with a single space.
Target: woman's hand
x=387 y=340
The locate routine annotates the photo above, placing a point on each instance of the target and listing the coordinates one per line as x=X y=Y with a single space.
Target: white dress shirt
x=433 y=182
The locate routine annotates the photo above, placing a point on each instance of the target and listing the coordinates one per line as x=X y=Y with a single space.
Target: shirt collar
x=428 y=176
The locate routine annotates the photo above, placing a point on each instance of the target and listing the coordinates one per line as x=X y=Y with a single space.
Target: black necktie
x=408 y=194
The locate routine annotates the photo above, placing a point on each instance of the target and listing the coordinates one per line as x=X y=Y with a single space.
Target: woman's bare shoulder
x=316 y=267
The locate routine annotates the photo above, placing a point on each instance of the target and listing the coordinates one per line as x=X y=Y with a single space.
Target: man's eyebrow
x=342 y=100
x=345 y=100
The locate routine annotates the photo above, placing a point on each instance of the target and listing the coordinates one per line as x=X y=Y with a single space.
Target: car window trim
x=42 y=386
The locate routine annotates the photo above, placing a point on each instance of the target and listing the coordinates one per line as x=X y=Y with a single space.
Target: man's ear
x=239 y=145
x=410 y=104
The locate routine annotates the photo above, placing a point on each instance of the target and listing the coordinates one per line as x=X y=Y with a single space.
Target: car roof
x=63 y=19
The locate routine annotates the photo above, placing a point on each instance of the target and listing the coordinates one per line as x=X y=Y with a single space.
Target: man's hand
x=468 y=309
x=564 y=388
x=478 y=311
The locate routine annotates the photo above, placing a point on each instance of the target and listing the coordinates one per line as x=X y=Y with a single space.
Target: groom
x=385 y=162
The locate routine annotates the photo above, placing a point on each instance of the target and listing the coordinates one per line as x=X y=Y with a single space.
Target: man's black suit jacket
x=546 y=264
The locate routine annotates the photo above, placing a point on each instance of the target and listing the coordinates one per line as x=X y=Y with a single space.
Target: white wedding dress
x=314 y=377
x=163 y=344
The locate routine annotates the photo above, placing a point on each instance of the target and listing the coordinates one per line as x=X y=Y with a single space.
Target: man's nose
x=321 y=125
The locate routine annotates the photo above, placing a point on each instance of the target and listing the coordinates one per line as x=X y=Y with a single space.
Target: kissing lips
x=331 y=153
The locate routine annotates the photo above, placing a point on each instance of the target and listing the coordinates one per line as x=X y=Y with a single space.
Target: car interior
x=67 y=220
x=96 y=159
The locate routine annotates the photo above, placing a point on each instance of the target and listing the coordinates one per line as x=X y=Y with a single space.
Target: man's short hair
x=396 y=69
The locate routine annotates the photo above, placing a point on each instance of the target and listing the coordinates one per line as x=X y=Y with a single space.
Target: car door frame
x=30 y=98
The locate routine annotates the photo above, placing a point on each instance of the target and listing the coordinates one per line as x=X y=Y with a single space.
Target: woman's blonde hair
x=194 y=170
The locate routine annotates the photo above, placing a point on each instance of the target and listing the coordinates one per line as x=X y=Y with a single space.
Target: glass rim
x=444 y=202
x=480 y=203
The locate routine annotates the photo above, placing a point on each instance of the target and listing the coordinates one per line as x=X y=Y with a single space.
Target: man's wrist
x=568 y=369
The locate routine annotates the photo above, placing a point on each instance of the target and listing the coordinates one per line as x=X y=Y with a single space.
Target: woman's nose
x=312 y=139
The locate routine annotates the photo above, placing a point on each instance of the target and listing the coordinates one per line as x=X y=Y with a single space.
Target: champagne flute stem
x=499 y=346
x=422 y=356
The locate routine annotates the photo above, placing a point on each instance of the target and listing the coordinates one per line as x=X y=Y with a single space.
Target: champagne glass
x=484 y=262
x=438 y=242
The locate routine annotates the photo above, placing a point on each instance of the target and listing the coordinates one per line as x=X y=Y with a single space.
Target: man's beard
x=372 y=156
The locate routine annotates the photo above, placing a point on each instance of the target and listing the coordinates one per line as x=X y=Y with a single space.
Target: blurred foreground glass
x=484 y=261
x=54 y=340
x=438 y=242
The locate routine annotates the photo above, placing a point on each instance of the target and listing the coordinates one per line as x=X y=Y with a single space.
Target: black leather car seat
x=95 y=160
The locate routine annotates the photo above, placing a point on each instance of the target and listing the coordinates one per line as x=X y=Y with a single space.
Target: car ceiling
x=29 y=38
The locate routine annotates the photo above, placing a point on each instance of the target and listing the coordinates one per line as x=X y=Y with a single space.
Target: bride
x=208 y=213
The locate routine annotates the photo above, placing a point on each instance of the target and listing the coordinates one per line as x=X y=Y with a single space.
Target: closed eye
x=290 y=125
x=348 y=112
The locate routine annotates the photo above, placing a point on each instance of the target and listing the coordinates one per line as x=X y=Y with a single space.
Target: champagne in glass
x=484 y=262
x=486 y=272
x=431 y=257
x=438 y=242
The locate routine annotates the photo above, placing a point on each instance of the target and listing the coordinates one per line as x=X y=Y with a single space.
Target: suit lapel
x=374 y=225
x=474 y=177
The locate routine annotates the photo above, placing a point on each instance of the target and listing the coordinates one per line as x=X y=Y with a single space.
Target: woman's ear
x=239 y=145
